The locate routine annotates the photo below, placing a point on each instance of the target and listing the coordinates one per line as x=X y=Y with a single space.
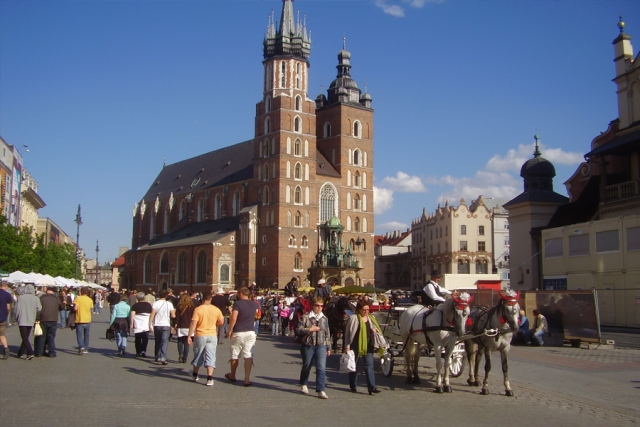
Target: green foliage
x=20 y=251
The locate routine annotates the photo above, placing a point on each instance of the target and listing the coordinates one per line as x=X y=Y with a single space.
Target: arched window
x=305 y=242
x=267 y=104
x=327 y=130
x=148 y=276
x=292 y=240
x=236 y=203
x=165 y=225
x=297 y=264
x=289 y=218
x=266 y=172
x=298 y=103
x=183 y=210
x=356 y=224
x=298 y=219
x=265 y=148
x=463 y=266
x=265 y=196
x=200 y=210
x=267 y=125
x=481 y=267
x=181 y=270
x=298 y=75
x=356 y=179
x=357 y=129
x=356 y=203
x=297 y=148
x=327 y=202
x=356 y=157
x=201 y=267
x=297 y=195
x=217 y=207
x=297 y=172
x=164 y=263
x=225 y=273
x=283 y=73
x=297 y=124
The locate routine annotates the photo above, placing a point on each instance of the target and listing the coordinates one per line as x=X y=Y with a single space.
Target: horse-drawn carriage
x=389 y=321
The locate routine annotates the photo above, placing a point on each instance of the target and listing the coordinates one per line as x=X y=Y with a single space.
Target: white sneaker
x=304 y=389
x=322 y=395
x=209 y=383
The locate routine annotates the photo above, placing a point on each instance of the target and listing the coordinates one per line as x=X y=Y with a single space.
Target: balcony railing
x=624 y=190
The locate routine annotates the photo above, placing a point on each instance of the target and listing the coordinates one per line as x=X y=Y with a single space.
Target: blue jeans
x=161 y=336
x=47 y=338
x=314 y=355
x=121 y=339
x=64 y=314
x=367 y=359
x=96 y=307
x=82 y=334
x=275 y=327
x=256 y=326
x=538 y=337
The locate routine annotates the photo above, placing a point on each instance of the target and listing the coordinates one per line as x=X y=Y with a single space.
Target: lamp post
x=97 y=264
x=79 y=222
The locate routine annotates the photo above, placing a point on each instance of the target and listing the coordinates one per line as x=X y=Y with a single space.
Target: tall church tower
x=285 y=155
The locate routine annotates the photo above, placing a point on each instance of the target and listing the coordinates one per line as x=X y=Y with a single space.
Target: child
x=275 y=320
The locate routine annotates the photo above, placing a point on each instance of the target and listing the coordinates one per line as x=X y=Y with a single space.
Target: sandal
x=228 y=376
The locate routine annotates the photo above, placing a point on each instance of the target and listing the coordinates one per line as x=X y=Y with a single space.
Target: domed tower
x=538 y=172
x=344 y=129
x=529 y=213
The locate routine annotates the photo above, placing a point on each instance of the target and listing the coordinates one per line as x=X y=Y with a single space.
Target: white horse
x=443 y=325
x=502 y=321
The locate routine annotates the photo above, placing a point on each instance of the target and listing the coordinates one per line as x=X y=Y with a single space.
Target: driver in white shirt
x=433 y=293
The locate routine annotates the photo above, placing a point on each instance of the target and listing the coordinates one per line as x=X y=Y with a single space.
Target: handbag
x=348 y=362
x=71 y=320
x=302 y=339
x=110 y=334
x=379 y=341
x=37 y=330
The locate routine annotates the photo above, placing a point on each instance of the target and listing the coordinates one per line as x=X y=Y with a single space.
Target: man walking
x=161 y=314
x=206 y=319
x=5 y=308
x=291 y=288
x=242 y=335
x=51 y=307
x=221 y=301
x=140 y=313
x=83 y=306
x=27 y=308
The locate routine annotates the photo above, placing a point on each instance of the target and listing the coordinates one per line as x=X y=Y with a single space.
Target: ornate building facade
x=295 y=201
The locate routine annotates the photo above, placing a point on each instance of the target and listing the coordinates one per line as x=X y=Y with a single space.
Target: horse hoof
x=448 y=389
x=416 y=380
x=439 y=390
x=485 y=391
x=508 y=393
x=472 y=383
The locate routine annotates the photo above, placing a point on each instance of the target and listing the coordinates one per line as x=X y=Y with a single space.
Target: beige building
x=458 y=242
x=30 y=203
x=393 y=260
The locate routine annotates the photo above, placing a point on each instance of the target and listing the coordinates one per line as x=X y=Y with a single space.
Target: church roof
x=324 y=167
x=195 y=233
x=540 y=196
x=582 y=210
x=224 y=166
x=620 y=145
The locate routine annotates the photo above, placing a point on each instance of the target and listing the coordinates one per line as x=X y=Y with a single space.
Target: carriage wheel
x=457 y=364
x=386 y=363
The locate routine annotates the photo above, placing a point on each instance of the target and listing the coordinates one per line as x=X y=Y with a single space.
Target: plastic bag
x=37 y=330
x=348 y=362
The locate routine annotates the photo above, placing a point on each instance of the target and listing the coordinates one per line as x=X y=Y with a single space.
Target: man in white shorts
x=242 y=335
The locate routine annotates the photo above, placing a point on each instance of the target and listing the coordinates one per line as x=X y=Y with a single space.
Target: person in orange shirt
x=204 y=324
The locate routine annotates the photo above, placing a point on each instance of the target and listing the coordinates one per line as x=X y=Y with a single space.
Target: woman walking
x=120 y=322
x=64 y=314
x=184 y=313
x=27 y=307
x=314 y=329
x=359 y=338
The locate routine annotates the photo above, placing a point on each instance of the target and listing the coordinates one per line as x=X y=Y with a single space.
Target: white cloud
x=382 y=200
x=391 y=226
x=390 y=9
x=420 y=3
x=405 y=183
x=515 y=158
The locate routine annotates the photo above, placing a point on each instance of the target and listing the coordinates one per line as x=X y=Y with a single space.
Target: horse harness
x=425 y=329
x=480 y=320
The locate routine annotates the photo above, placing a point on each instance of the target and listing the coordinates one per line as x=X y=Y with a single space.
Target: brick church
x=294 y=201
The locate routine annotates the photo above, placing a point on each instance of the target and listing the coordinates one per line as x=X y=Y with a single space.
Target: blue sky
x=103 y=92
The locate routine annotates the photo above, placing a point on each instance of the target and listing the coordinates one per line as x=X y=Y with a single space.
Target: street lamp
x=97 y=264
x=79 y=222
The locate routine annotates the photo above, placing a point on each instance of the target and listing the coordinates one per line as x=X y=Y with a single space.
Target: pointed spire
x=537 y=152
x=291 y=37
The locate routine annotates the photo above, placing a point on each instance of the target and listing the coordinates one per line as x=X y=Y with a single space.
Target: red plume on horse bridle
x=462 y=303
x=510 y=300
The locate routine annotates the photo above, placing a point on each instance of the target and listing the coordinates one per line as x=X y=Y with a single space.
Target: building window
x=164 y=263
x=298 y=219
x=579 y=245
x=297 y=148
x=305 y=242
x=463 y=266
x=297 y=172
x=236 y=203
x=297 y=125
x=481 y=230
x=482 y=267
x=463 y=230
x=181 y=271
x=288 y=218
x=357 y=129
x=283 y=73
x=356 y=203
x=356 y=157
x=292 y=240
x=327 y=130
x=463 y=245
x=265 y=196
x=356 y=224
x=147 y=269
x=183 y=210
x=297 y=195
x=633 y=238
x=481 y=247
x=267 y=104
x=225 y=273
x=327 y=202
x=201 y=267
x=217 y=207
x=607 y=241
x=267 y=125
x=553 y=248
x=297 y=264
x=298 y=103
x=356 y=179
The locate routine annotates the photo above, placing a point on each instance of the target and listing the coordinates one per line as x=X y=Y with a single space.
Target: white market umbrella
x=20 y=277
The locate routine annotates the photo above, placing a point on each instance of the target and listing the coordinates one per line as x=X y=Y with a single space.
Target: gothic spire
x=290 y=39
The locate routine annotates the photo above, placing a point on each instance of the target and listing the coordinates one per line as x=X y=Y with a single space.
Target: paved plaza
x=553 y=386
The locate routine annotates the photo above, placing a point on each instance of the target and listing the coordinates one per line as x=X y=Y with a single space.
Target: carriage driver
x=432 y=293
x=323 y=291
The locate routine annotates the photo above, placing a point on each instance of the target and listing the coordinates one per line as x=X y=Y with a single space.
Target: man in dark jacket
x=291 y=288
x=221 y=301
x=51 y=306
